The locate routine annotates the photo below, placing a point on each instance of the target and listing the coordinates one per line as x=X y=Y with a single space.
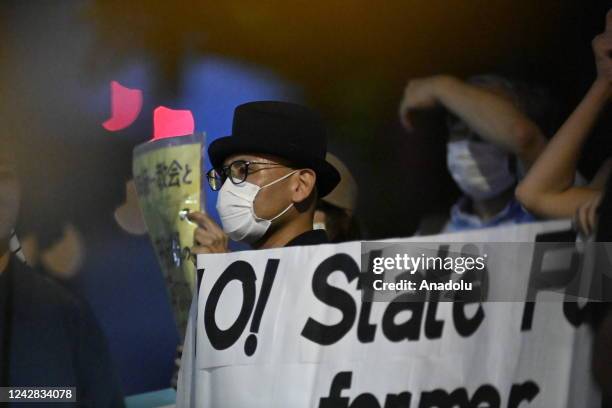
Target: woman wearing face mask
x=548 y=188
x=491 y=140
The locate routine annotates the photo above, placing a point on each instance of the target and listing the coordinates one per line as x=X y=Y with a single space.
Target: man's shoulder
x=30 y=285
x=40 y=298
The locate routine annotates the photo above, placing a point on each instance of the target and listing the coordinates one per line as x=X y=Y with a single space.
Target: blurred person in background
x=335 y=212
x=492 y=141
x=48 y=336
x=548 y=190
x=270 y=174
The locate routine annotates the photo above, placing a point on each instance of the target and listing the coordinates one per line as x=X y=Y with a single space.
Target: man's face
x=480 y=169
x=459 y=131
x=271 y=200
x=9 y=200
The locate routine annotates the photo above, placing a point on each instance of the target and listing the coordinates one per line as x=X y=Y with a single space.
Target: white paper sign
x=287 y=328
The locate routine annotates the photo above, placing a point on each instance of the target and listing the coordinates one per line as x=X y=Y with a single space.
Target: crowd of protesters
x=279 y=186
x=507 y=170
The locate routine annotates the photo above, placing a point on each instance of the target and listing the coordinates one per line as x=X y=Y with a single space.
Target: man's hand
x=418 y=94
x=208 y=237
x=602 y=49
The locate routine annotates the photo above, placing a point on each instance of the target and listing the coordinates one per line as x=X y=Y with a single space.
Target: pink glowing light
x=126 y=105
x=171 y=122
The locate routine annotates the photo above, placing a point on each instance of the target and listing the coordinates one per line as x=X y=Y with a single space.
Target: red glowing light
x=171 y=122
x=126 y=104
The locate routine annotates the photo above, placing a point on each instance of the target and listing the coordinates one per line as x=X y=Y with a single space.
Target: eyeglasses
x=237 y=172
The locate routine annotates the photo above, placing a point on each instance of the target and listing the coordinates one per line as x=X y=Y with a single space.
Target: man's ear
x=305 y=184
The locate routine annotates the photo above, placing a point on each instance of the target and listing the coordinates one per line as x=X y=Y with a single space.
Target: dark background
x=349 y=60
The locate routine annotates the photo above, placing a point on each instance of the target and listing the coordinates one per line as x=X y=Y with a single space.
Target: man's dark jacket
x=49 y=337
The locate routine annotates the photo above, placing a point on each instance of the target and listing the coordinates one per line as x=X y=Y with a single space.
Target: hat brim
x=327 y=175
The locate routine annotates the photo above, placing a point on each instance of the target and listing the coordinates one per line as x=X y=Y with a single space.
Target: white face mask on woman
x=235 y=205
x=480 y=169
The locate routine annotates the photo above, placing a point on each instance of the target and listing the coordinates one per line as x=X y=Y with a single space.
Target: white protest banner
x=288 y=328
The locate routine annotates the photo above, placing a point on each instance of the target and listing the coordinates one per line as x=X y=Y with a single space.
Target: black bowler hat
x=283 y=129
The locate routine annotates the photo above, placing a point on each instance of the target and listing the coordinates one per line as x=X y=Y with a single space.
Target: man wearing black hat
x=269 y=174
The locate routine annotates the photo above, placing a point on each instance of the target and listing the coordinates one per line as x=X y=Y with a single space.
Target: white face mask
x=235 y=205
x=480 y=169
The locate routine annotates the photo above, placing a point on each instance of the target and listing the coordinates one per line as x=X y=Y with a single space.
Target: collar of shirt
x=460 y=219
x=313 y=237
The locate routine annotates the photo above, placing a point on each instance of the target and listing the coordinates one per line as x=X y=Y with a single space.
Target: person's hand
x=177 y=366
x=602 y=49
x=419 y=94
x=208 y=237
x=585 y=219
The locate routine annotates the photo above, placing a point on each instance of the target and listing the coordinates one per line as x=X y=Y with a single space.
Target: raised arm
x=493 y=117
x=548 y=189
